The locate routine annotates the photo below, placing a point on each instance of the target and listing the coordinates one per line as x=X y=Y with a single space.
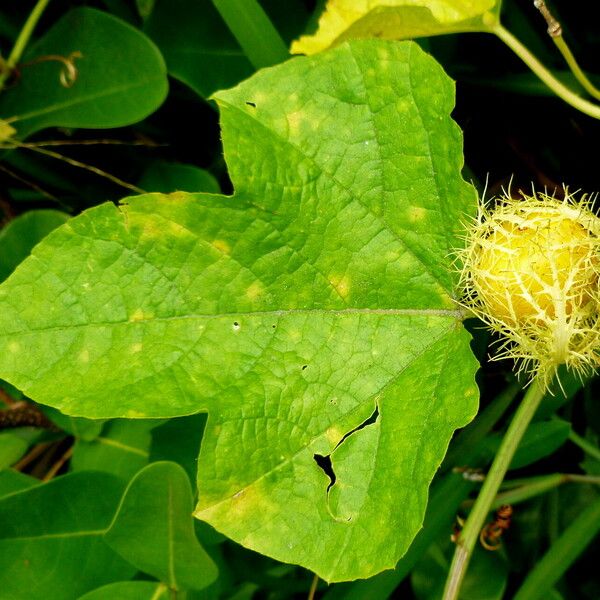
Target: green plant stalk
x=470 y=534
x=254 y=31
x=564 y=49
x=561 y=90
x=586 y=446
x=22 y=40
x=561 y=554
x=541 y=486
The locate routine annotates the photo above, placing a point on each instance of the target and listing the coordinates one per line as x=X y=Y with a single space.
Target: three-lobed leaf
x=344 y=20
x=312 y=314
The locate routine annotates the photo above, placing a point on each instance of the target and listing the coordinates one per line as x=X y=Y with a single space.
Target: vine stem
x=561 y=90
x=22 y=40
x=470 y=533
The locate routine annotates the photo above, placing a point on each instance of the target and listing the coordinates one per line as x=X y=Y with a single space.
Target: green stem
x=22 y=40
x=586 y=446
x=561 y=555
x=541 y=485
x=561 y=90
x=470 y=533
x=564 y=49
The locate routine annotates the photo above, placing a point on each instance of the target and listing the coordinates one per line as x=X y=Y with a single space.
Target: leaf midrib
x=457 y=315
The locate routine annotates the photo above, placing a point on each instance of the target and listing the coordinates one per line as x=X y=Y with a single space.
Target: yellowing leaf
x=394 y=20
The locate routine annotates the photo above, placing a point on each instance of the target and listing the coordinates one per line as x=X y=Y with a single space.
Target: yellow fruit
x=530 y=270
x=534 y=269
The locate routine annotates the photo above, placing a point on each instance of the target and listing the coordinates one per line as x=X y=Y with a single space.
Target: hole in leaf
x=324 y=463
x=304 y=367
x=372 y=419
x=236 y=325
x=251 y=104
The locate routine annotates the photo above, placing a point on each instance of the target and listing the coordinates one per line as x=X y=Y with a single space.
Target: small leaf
x=12 y=447
x=130 y=590
x=21 y=234
x=178 y=440
x=395 y=20
x=78 y=427
x=197 y=45
x=14 y=481
x=122 y=448
x=153 y=529
x=55 y=531
x=120 y=78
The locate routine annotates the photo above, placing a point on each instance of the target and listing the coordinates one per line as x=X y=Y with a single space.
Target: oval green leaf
x=312 y=315
x=153 y=529
x=21 y=234
x=55 y=531
x=121 y=77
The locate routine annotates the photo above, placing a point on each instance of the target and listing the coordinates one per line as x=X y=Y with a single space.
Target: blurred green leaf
x=122 y=448
x=51 y=545
x=168 y=177
x=197 y=45
x=12 y=447
x=178 y=440
x=485 y=579
x=541 y=439
x=12 y=481
x=20 y=235
x=78 y=427
x=130 y=590
x=121 y=77
x=153 y=529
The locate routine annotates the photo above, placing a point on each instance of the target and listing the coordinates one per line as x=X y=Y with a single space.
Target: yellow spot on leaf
x=136 y=347
x=140 y=315
x=14 y=347
x=417 y=214
x=254 y=291
x=341 y=283
x=84 y=356
x=222 y=246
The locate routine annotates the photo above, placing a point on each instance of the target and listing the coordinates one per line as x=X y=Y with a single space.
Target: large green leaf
x=154 y=530
x=396 y=19
x=51 y=544
x=318 y=299
x=121 y=77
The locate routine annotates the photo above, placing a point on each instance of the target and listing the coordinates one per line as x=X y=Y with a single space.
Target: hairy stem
x=561 y=90
x=470 y=533
x=22 y=40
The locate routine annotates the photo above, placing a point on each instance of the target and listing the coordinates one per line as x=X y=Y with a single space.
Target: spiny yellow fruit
x=531 y=271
